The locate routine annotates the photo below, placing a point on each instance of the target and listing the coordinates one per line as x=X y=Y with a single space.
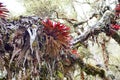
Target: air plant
x=3 y=38
x=3 y=11
x=57 y=37
x=114 y=24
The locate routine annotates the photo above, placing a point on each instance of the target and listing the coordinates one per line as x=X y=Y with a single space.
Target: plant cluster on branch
x=41 y=48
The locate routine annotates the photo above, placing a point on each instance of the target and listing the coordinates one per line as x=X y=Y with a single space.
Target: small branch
x=100 y=26
x=66 y=19
x=79 y=23
x=82 y=22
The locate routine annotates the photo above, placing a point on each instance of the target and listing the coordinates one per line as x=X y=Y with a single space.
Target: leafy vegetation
x=35 y=47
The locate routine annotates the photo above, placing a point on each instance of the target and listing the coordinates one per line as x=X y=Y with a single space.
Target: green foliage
x=60 y=75
x=40 y=7
x=47 y=8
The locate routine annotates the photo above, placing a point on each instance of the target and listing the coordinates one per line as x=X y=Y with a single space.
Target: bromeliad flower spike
x=3 y=10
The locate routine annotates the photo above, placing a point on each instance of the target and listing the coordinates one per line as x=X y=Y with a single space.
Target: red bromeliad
x=58 y=36
x=3 y=10
x=57 y=30
x=75 y=52
x=115 y=26
x=117 y=13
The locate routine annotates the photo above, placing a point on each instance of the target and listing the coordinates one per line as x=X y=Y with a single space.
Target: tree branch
x=103 y=25
x=87 y=68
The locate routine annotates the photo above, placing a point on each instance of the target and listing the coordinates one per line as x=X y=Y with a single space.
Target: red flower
x=115 y=26
x=3 y=10
x=57 y=37
x=57 y=30
x=75 y=52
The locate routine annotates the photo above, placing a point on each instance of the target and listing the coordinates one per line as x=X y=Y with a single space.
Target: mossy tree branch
x=103 y=25
x=87 y=68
